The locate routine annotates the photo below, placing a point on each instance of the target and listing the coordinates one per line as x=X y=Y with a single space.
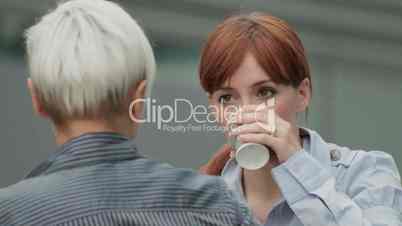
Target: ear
x=138 y=96
x=303 y=95
x=36 y=104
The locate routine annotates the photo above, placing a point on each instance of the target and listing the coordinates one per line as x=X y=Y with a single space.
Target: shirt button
x=335 y=155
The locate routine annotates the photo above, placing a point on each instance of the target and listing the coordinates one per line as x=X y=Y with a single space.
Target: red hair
x=274 y=44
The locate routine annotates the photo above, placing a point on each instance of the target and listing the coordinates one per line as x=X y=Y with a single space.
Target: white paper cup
x=252 y=156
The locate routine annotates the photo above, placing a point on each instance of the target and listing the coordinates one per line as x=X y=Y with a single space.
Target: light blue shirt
x=325 y=184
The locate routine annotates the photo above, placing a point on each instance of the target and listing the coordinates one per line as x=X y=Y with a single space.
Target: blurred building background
x=354 y=48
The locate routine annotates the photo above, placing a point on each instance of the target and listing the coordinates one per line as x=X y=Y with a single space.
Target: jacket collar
x=315 y=145
x=88 y=149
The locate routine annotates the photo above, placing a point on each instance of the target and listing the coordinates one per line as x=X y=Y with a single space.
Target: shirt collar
x=88 y=149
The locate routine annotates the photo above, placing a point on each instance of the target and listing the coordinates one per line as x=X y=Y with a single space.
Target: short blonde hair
x=84 y=56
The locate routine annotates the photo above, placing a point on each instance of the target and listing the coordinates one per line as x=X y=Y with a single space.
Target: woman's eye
x=266 y=93
x=224 y=99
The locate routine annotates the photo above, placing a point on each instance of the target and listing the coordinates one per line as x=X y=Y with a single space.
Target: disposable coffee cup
x=250 y=156
x=253 y=156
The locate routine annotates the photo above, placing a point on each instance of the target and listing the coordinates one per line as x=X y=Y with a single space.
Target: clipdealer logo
x=161 y=114
x=183 y=113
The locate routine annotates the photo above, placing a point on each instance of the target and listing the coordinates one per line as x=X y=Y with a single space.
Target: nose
x=249 y=101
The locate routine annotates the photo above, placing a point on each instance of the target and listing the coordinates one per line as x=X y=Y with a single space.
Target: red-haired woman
x=251 y=58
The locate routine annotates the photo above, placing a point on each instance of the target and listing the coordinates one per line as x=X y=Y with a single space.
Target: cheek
x=220 y=118
x=218 y=113
x=223 y=115
x=285 y=109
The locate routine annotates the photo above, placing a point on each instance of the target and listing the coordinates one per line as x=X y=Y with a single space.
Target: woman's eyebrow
x=224 y=88
x=260 y=83
x=228 y=88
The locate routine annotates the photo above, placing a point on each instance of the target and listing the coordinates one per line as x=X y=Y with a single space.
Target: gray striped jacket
x=100 y=179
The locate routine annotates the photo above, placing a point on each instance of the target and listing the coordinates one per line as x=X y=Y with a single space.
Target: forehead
x=247 y=73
